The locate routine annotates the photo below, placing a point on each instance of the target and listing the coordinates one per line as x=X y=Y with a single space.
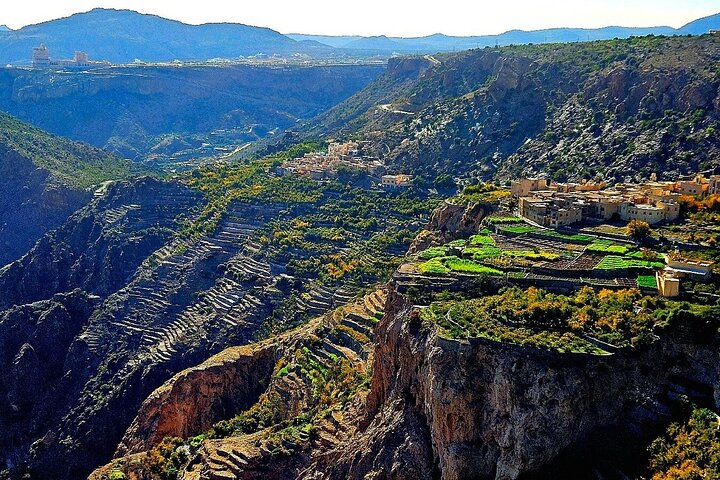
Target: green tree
x=638 y=229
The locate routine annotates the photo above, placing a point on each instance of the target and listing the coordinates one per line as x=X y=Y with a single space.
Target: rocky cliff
x=31 y=203
x=195 y=399
x=486 y=410
x=44 y=179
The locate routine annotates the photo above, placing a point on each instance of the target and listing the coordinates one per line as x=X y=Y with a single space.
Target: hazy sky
x=390 y=17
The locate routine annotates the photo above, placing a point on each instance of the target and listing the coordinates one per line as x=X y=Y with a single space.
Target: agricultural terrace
x=328 y=232
x=588 y=321
x=523 y=252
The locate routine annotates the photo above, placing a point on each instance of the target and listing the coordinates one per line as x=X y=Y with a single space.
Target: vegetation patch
x=688 y=451
x=540 y=319
x=434 y=266
x=504 y=220
x=466 y=266
x=602 y=247
x=482 y=253
x=647 y=281
x=531 y=255
x=482 y=240
x=433 y=252
x=519 y=229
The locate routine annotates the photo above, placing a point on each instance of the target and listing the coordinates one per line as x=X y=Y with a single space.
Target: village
x=349 y=156
x=556 y=205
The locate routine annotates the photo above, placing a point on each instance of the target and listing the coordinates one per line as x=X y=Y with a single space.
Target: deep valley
x=500 y=263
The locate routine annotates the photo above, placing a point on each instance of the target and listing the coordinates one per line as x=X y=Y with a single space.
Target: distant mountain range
x=122 y=36
x=4 y=28
x=444 y=43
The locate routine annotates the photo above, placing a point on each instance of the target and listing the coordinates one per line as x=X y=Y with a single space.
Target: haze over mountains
x=122 y=36
x=440 y=42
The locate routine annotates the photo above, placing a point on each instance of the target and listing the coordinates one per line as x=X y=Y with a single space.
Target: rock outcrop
x=482 y=409
x=193 y=400
x=449 y=222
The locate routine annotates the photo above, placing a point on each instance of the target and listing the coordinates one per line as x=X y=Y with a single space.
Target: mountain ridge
x=43 y=180
x=525 y=110
x=441 y=42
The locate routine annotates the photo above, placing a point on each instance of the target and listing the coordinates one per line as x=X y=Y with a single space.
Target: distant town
x=41 y=59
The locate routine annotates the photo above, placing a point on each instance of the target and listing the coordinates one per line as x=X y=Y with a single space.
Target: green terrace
x=520 y=251
x=587 y=322
x=331 y=233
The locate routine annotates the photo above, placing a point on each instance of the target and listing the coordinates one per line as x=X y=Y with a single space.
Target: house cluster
x=555 y=205
x=324 y=166
x=678 y=268
x=348 y=155
x=41 y=59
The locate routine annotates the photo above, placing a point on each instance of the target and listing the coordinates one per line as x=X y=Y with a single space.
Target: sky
x=386 y=17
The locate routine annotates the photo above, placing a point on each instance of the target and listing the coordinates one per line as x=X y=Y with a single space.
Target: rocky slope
x=295 y=396
x=43 y=180
x=611 y=108
x=167 y=294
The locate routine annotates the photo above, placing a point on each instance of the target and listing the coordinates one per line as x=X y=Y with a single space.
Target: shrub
x=688 y=451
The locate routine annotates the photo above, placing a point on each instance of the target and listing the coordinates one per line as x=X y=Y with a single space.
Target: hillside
x=701 y=25
x=122 y=36
x=613 y=108
x=443 y=377
x=166 y=114
x=175 y=271
x=75 y=164
x=44 y=179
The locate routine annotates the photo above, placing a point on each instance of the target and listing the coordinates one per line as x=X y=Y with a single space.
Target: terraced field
x=323 y=373
x=525 y=253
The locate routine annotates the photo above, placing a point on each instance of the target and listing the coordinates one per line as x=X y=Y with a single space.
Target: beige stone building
x=523 y=186
x=396 y=181
x=551 y=212
x=668 y=283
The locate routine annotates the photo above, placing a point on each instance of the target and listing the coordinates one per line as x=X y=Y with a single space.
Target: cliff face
x=129 y=222
x=31 y=204
x=193 y=400
x=487 y=410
